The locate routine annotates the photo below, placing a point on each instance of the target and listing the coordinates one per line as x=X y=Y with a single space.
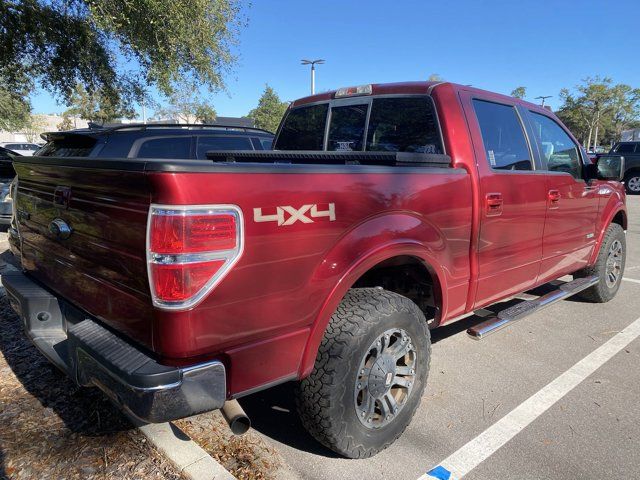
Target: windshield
x=396 y=124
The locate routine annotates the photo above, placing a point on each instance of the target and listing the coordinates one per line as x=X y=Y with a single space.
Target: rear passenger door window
x=206 y=144
x=503 y=136
x=560 y=153
x=165 y=147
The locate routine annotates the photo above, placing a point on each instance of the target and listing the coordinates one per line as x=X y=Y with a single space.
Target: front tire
x=369 y=375
x=609 y=266
x=632 y=183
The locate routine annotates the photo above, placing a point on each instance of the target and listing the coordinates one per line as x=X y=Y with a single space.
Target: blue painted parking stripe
x=440 y=473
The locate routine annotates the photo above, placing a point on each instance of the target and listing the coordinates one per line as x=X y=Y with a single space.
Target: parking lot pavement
x=592 y=432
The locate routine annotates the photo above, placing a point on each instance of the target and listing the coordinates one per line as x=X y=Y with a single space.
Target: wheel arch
x=397 y=255
x=614 y=212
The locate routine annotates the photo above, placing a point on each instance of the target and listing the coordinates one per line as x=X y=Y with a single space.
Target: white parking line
x=631 y=280
x=461 y=462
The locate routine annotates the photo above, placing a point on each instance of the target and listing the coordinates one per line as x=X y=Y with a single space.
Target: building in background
x=630 y=135
x=42 y=123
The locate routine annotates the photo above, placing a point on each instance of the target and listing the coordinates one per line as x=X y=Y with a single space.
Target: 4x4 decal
x=288 y=215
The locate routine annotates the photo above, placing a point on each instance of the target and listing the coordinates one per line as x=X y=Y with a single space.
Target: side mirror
x=611 y=167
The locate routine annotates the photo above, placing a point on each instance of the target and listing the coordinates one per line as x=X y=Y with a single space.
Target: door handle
x=494 y=202
x=554 y=198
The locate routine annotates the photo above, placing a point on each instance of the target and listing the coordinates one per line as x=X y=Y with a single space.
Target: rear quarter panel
x=276 y=302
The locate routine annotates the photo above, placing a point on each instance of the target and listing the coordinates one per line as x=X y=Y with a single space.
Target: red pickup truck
x=385 y=211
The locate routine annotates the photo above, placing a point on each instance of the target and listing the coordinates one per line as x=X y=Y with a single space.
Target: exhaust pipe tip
x=235 y=417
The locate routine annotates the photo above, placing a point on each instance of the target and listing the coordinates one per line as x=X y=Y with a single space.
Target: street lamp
x=313 y=71
x=543 y=98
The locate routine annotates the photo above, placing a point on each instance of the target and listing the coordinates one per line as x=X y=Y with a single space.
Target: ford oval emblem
x=60 y=229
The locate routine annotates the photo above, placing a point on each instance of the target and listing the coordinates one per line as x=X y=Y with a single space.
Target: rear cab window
x=389 y=124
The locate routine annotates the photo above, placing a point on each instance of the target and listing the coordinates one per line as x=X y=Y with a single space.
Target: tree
x=14 y=102
x=519 y=92
x=185 y=106
x=270 y=109
x=599 y=111
x=96 y=107
x=66 y=124
x=36 y=125
x=205 y=113
x=435 y=77
x=95 y=43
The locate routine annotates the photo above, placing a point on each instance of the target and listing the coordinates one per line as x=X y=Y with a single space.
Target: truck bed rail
x=303 y=157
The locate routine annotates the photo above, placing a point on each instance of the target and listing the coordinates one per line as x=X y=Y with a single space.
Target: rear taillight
x=189 y=250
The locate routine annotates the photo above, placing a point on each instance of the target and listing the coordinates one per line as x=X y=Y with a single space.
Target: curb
x=189 y=458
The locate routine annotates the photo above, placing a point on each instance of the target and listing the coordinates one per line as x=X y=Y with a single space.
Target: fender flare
x=613 y=208
x=356 y=269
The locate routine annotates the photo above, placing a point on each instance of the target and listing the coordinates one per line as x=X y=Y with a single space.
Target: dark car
x=154 y=141
x=631 y=153
x=7 y=173
x=170 y=141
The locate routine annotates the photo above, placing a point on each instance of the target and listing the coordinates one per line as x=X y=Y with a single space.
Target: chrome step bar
x=525 y=308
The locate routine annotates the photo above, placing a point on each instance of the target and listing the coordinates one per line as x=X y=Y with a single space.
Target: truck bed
x=277 y=289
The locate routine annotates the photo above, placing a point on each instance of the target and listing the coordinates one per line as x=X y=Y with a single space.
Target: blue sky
x=496 y=45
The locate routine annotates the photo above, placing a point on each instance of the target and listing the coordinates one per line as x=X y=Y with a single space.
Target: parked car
x=154 y=141
x=179 y=286
x=631 y=153
x=22 y=148
x=7 y=174
x=175 y=141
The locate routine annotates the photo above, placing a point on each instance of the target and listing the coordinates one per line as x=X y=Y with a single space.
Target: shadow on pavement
x=273 y=414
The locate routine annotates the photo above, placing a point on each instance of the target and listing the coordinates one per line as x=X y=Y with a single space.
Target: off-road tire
x=325 y=399
x=601 y=292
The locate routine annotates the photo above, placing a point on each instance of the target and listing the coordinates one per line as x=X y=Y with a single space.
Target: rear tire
x=369 y=375
x=609 y=266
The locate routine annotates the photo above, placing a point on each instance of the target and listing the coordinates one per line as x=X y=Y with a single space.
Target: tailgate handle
x=494 y=203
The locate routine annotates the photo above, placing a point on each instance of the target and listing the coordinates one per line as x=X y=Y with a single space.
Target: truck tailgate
x=101 y=266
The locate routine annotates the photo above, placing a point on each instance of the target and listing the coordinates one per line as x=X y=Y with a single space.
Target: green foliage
x=519 y=92
x=14 y=103
x=269 y=112
x=599 y=111
x=435 y=77
x=37 y=124
x=66 y=123
x=14 y=111
x=96 y=107
x=205 y=113
x=94 y=42
x=184 y=106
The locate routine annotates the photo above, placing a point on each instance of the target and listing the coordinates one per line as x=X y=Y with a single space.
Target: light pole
x=543 y=98
x=313 y=71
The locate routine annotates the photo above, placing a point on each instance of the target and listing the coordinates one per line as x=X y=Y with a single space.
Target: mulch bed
x=52 y=429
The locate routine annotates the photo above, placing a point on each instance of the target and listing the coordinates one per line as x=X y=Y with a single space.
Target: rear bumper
x=94 y=356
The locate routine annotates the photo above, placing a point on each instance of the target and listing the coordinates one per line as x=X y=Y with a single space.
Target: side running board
x=521 y=310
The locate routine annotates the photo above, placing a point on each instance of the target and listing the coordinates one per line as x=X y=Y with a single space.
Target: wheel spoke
x=391 y=401
x=400 y=381
x=403 y=370
x=384 y=407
